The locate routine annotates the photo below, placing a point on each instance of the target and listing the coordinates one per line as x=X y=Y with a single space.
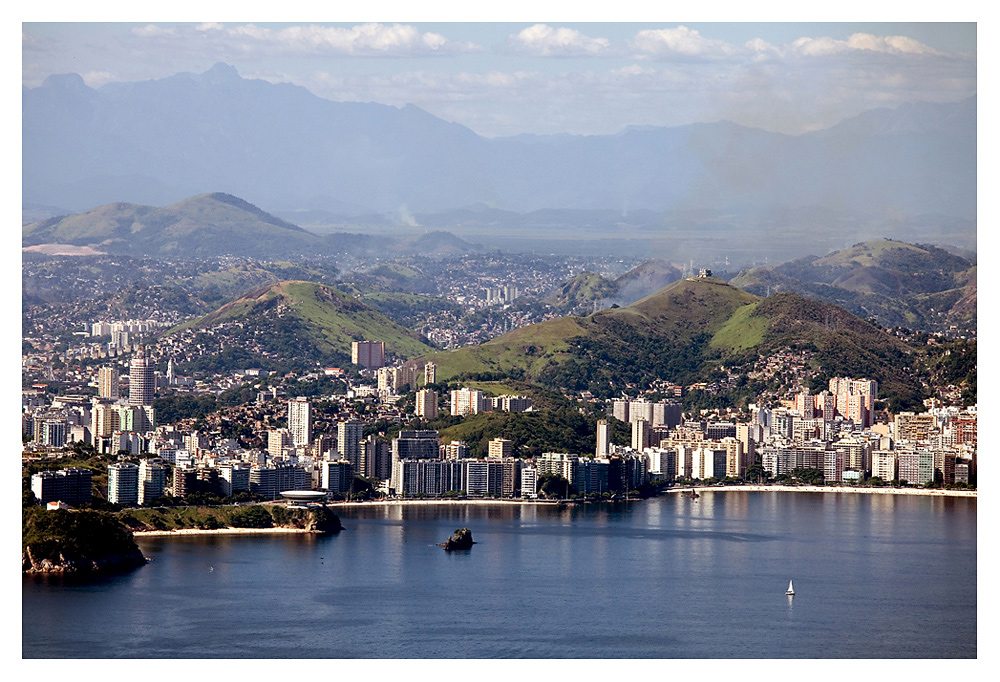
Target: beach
x=826 y=489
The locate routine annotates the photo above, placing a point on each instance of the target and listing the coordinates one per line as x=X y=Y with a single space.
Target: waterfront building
x=529 y=481
x=300 y=421
x=368 y=354
x=152 y=480
x=123 y=483
x=338 y=477
x=708 y=462
x=603 y=438
x=561 y=463
x=916 y=465
x=884 y=465
x=427 y=403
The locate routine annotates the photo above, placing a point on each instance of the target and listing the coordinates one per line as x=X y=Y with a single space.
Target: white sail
x=790 y=590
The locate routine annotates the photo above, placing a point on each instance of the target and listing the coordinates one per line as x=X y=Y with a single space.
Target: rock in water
x=462 y=539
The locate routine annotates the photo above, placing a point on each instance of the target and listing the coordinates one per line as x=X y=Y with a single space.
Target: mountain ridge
x=284 y=148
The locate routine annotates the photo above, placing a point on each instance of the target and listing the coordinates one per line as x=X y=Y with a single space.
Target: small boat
x=790 y=592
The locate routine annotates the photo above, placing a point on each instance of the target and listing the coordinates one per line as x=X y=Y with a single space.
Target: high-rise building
x=141 y=382
x=500 y=448
x=300 y=421
x=107 y=382
x=466 y=401
x=152 y=480
x=123 y=483
x=338 y=477
x=277 y=441
x=641 y=434
x=427 y=403
x=603 y=438
x=350 y=435
x=71 y=485
x=619 y=410
x=430 y=373
x=368 y=354
x=234 y=477
x=529 y=482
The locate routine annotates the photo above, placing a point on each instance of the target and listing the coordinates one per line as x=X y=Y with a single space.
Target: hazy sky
x=551 y=77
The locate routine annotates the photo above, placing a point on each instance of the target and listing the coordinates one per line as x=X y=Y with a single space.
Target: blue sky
x=548 y=76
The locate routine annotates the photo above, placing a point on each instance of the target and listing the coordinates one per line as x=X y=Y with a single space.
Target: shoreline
x=219 y=531
x=933 y=492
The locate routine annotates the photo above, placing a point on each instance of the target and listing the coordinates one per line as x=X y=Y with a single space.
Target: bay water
x=876 y=576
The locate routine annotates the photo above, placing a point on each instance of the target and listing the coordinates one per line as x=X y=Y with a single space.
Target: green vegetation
x=204 y=225
x=254 y=516
x=304 y=320
x=75 y=540
x=741 y=331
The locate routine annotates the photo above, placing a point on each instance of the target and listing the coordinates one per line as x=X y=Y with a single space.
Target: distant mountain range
x=210 y=225
x=281 y=147
x=910 y=285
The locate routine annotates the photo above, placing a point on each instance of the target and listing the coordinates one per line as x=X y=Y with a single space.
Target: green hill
x=581 y=291
x=674 y=318
x=201 y=226
x=684 y=333
x=310 y=320
x=916 y=286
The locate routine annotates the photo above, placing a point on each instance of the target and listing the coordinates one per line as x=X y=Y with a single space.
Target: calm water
x=878 y=576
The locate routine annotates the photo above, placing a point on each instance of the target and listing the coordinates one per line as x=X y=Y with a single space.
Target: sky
x=545 y=77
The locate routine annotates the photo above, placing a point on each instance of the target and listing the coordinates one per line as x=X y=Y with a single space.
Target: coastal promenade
x=933 y=492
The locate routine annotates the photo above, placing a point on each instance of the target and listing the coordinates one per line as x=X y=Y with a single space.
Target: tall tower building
x=123 y=483
x=430 y=373
x=349 y=445
x=170 y=372
x=152 y=481
x=641 y=433
x=603 y=441
x=427 y=403
x=141 y=382
x=107 y=382
x=300 y=421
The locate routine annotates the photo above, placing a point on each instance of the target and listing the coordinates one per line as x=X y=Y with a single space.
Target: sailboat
x=790 y=592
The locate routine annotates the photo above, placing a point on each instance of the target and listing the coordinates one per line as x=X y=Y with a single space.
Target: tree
x=554 y=485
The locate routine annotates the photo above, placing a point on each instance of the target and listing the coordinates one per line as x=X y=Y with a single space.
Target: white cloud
x=542 y=40
x=366 y=40
x=679 y=42
x=151 y=31
x=862 y=42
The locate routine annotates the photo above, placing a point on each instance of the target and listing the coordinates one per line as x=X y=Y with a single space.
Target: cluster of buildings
x=832 y=432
